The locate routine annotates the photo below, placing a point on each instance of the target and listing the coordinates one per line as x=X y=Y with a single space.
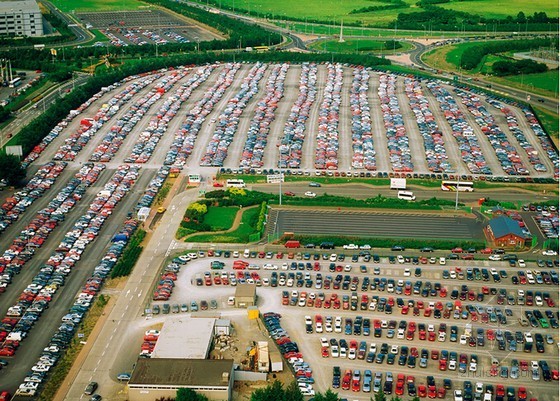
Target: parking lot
x=463 y=321
x=111 y=155
x=146 y=27
x=374 y=224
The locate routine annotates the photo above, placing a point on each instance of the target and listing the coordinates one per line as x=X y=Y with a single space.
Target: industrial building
x=505 y=232
x=154 y=378
x=185 y=337
x=245 y=295
x=20 y=18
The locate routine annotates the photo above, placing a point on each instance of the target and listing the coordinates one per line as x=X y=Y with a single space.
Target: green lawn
x=97 y=5
x=358 y=45
x=220 y=218
x=241 y=235
x=503 y=8
x=550 y=122
x=546 y=80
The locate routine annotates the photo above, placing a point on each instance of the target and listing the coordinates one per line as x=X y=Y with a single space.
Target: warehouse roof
x=185 y=337
x=245 y=290
x=22 y=5
x=185 y=372
x=502 y=226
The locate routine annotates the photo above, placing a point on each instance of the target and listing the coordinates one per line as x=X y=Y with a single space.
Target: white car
x=549 y=252
x=350 y=246
x=270 y=266
x=458 y=395
x=324 y=342
x=495 y=257
x=310 y=194
x=308 y=320
x=521 y=263
x=407 y=272
x=365 y=247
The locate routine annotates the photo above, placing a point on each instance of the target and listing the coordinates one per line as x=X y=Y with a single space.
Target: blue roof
x=503 y=225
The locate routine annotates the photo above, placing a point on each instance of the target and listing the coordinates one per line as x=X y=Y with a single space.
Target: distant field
x=354 y=45
x=328 y=10
x=546 y=80
x=97 y=5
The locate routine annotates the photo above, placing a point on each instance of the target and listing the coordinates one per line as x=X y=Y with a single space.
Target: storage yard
x=147 y=27
x=109 y=158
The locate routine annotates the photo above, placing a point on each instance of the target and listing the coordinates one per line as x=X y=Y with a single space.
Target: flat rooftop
x=23 y=5
x=185 y=372
x=185 y=337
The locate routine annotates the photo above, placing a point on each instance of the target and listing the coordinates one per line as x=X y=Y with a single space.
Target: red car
x=500 y=390
x=441 y=392
x=217 y=185
x=422 y=391
x=289 y=193
x=522 y=393
x=432 y=392
x=442 y=364
x=325 y=352
x=347 y=379
x=399 y=390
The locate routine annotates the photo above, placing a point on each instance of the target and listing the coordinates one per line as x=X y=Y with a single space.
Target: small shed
x=143 y=213
x=252 y=312
x=245 y=295
x=222 y=326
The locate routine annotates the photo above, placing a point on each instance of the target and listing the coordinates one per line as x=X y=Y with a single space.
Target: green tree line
x=130 y=255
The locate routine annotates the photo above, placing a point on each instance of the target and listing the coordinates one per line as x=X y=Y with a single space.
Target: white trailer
x=398 y=183
x=262 y=357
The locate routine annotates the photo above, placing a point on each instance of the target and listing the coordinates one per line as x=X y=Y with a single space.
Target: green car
x=544 y=323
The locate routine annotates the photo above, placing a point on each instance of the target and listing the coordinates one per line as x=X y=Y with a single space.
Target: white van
x=406 y=195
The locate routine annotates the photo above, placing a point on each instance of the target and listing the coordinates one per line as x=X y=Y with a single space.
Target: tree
x=328 y=396
x=188 y=394
x=293 y=393
x=10 y=169
x=196 y=211
x=269 y=393
x=379 y=396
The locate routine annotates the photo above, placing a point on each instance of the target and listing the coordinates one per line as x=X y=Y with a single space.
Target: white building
x=20 y=18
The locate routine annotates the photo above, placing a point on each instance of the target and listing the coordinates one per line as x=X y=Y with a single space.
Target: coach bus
x=460 y=186
x=406 y=195
x=235 y=184
x=15 y=82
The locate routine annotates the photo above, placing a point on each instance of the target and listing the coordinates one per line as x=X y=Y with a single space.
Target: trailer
x=263 y=364
x=398 y=183
x=276 y=363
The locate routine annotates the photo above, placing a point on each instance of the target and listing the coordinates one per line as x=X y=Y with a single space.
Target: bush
x=516 y=67
x=130 y=255
x=262 y=217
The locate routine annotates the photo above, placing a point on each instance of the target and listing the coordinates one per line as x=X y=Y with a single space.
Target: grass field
x=547 y=81
x=241 y=235
x=358 y=45
x=336 y=9
x=550 y=122
x=97 y=5
x=220 y=218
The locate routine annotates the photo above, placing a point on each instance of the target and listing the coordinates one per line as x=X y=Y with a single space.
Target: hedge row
x=408 y=243
x=262 y=217
x=130 y=255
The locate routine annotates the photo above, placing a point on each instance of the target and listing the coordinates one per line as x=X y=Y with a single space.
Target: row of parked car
x=436 y=155
x=549 y=223
x=157 y=126
x=37 y=231
x=362 y=136
x=506 y=152
x=291 y=144
x=78 y=139
x=168 y=277
x=185 y=136
x=513 y=125
x=544 y=140
x=52 y=275
x=326 y=152
x=259 y=127
x=290 y=352
x=42 y=180
x=471 y=152
x=71 y=321
x=228 y=121
x=397 y=139
x=114 y=138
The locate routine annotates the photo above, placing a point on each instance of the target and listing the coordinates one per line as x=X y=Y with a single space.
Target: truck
x=398 y=183
x=292 y=244
x=263 y=364
x=276 y=364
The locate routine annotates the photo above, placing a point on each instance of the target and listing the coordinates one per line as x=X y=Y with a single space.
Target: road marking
x=139 y=294
x=128 y=292
x=136 y=289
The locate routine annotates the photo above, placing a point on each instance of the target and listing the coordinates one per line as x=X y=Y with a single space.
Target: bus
x=15 y=82
x=235 y=184
x=261 y=49
x=406 y=195
x=460 y=186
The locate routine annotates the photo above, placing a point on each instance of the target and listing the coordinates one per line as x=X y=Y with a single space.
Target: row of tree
x=443 y=19
x=472 y=56
x=515 y=67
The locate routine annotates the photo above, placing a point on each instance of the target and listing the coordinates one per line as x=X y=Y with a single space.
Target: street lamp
x=197 y=44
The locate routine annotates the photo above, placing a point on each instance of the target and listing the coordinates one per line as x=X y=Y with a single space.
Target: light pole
x=197 y=44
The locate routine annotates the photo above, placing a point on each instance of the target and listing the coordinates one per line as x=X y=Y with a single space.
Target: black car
x=399 y=248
